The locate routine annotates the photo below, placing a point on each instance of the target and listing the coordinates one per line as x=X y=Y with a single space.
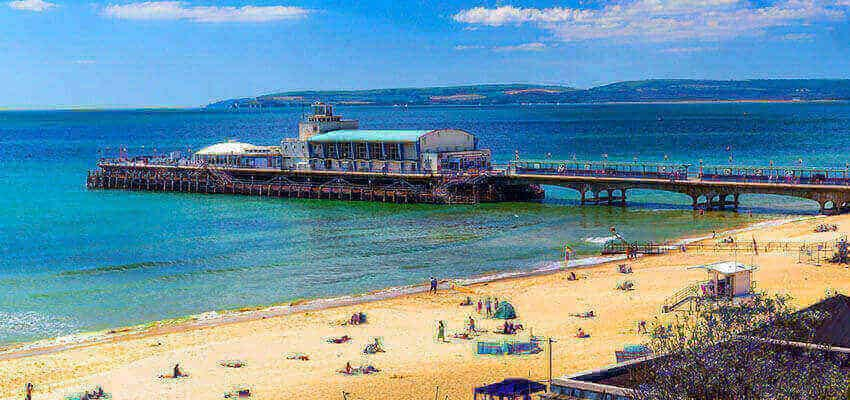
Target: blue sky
x=59 y=53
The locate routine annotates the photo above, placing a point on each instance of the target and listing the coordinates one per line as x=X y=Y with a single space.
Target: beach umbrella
x=505 y=311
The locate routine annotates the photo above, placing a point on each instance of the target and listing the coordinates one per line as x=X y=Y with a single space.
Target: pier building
x=428 y=151
x=239 y=155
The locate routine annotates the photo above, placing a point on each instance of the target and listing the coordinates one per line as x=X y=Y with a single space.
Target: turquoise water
x=75 y=260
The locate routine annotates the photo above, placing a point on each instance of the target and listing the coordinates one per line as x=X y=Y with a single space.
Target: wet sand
x=416 y=364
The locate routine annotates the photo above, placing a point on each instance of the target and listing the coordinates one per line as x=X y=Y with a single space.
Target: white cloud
x=31 y=5
x=463 y=47
x=660 y=20
x=535 y=46
x=798 y=37
x=178 y=10
x=687 y=50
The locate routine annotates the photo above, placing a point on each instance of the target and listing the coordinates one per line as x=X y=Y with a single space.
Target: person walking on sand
x=441 y=331
x=29 y=391
x=489 y=307
x=480 y=305
x=433 y=285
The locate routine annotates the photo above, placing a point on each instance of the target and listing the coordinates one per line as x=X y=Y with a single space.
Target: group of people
x=487 y=306
x=374 y=347
x=176 y=373
x=826 y=228
x=357 y=318
x=509 y=328
x=95 y=394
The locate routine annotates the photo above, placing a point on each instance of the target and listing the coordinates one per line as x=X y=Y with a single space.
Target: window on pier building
x=392 y=151
x=327 y=150
x=344 y=150
x=361 y=151
x=375 y=151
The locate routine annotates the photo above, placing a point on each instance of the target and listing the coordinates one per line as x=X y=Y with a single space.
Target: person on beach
x=471 y=326
x=29 y=391
x=433 y=285
x=177 y=372
x=441 y=331
x=480 y=305
x=489 y=307
x=642 y=327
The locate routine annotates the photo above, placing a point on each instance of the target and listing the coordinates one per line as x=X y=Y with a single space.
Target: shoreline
x=214 y=318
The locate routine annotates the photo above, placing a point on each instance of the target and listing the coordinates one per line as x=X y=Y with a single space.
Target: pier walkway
x=709 y=187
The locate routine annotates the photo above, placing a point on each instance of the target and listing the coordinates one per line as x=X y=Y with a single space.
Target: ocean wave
x=599 y=239
x=117 y=268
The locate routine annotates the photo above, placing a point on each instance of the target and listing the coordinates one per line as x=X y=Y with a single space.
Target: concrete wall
x=307 y=130
x=447 y=140
x=742 y=283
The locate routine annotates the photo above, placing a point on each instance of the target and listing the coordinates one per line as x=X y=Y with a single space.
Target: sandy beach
x=415 y=363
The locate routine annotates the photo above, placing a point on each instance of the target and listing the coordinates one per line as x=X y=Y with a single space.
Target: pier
x=333 y=159
x=597 y=182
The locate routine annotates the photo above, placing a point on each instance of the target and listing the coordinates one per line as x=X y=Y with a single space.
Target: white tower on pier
x=323 y=120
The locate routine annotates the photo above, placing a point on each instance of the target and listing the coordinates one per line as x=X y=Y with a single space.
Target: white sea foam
x=600 y=239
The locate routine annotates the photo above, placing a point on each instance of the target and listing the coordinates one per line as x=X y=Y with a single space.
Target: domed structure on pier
x=225 y=149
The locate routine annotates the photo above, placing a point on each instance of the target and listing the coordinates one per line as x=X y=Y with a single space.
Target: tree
x=747 y=351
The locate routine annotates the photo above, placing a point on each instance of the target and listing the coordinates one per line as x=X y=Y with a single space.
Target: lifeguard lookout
x=728 y=281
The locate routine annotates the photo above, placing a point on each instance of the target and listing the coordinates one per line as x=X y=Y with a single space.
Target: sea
x=75 y=260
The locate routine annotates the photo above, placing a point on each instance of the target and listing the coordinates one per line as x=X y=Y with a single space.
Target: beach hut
x=727 y=279
x=505 y=310
x=509 y=389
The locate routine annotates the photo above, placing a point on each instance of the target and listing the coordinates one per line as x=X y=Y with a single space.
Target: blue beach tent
x=505 y=310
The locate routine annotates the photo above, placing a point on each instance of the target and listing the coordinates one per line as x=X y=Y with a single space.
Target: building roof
x=726 y=267
x=828 y=319
x=225 y=149
x=366 y=135
x=511 y=387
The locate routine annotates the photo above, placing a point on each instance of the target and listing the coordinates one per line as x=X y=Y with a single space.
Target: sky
x=126 y=53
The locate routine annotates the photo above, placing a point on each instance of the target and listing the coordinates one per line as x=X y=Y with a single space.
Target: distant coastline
x=645 y=91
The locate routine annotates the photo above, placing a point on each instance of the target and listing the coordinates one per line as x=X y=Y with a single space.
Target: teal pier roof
x=366 y=135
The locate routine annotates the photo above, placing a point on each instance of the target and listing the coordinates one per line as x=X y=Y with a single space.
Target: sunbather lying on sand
x=361 y=370
x=581 y=334
x=339 y=340
x=232 y=363
x=464 y=336
x=586 y=314
x=238 y=393
x=298 y=356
